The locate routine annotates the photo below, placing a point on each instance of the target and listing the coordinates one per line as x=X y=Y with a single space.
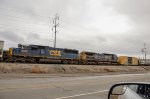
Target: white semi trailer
x=1 y=49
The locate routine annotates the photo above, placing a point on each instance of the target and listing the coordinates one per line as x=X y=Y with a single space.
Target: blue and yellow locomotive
x=42 y=54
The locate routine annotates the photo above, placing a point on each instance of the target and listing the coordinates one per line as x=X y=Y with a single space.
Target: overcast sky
x=110 y=26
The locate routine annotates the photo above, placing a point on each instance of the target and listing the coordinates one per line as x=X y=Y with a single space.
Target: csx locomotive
x=46 y=54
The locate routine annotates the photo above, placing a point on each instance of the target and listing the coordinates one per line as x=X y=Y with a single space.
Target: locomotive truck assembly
x=46 y=54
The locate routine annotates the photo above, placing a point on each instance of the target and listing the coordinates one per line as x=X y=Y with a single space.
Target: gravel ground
x=67 y=69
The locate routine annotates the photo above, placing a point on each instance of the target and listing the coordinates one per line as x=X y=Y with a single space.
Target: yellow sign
x=55 y=53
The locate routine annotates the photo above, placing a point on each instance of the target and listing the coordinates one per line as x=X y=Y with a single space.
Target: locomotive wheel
x=87 y=63
x=37 y=60
x=84 y=63
x=76 y=62
x=71 y=62
x=23 y=61
x=32 y=61
x=65 y=62
x=15 y=60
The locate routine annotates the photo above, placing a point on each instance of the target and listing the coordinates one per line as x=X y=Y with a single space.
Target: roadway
x=83 y=87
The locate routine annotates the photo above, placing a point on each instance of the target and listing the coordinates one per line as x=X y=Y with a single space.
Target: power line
x=21 y=12
x=14 y=27
x=76 y=26
x=55 y=27
x=10 y=17
x=45 y=23
x=17 y=26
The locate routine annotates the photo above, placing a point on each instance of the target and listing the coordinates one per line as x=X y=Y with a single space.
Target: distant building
x=1 y=49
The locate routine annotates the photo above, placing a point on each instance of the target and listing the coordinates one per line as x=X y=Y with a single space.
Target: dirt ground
x=67 y=69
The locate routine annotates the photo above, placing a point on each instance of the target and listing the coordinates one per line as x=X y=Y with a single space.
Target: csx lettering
x=55 y=53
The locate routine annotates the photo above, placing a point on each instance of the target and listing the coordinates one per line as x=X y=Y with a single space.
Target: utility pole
x=55 y=28
x=145 y=51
